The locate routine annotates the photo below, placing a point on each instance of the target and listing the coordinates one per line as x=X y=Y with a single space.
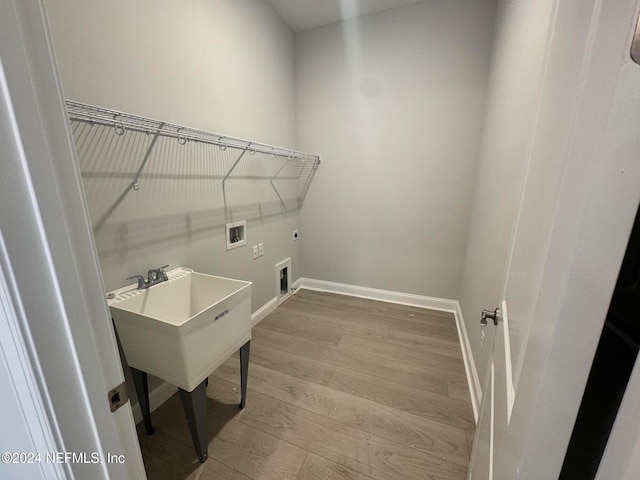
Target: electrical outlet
x=261 y=249
x=255 y=252
x=295 y=234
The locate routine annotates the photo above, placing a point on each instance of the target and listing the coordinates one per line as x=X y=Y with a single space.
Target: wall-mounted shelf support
x=235 y=164
x=134 y=184
x=276 y=175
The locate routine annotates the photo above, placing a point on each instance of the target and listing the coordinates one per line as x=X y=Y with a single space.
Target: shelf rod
x=100 y=116
x=134 y=184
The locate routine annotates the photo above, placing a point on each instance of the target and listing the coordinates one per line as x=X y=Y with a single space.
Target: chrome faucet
x=154 y=276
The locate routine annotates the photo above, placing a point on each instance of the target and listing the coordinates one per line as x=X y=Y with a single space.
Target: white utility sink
x=181 y=330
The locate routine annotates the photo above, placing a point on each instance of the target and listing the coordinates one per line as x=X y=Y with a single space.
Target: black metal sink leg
x=195 y=409
x=142 y=390
x=244 y=370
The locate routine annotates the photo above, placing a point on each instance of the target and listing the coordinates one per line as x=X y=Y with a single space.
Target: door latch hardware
x=118 y=396
x=489 y=315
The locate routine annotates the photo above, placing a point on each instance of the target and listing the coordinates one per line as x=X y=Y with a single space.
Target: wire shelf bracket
x=275 y=176
x=145 y=159
x=235 y=165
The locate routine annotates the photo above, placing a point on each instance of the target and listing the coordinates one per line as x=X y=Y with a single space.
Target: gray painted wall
x=222 y=65
x=394 y=102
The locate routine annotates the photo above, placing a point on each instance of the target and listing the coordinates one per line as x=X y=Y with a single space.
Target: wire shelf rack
x=306 y=164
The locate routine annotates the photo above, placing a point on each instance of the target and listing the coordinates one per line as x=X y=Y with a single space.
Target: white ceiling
x=303 y=15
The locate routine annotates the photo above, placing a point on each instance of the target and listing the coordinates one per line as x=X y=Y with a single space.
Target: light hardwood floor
x=339 y=388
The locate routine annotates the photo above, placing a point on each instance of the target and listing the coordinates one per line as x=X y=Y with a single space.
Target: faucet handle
x=154 y=273
x=162 y=273
x=140 y=279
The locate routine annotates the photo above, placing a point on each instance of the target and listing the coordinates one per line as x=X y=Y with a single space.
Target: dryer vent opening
x=283 y=280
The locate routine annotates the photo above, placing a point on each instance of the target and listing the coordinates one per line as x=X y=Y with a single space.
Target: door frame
x=54 y=280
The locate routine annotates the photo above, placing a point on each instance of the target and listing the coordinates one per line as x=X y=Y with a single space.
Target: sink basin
x=181 y=330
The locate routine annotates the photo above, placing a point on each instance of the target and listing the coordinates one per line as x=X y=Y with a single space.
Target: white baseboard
x=433 y=303
x=157 y=397
x=263 y=311
x=469 y=364
x=165 y=390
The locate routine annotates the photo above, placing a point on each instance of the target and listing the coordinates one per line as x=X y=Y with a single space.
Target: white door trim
x=508 y=365
x=473 y=380
x=49 y=245
x=41 y=433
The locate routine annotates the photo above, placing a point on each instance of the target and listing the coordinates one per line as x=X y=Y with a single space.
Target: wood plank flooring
x=339 y=388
